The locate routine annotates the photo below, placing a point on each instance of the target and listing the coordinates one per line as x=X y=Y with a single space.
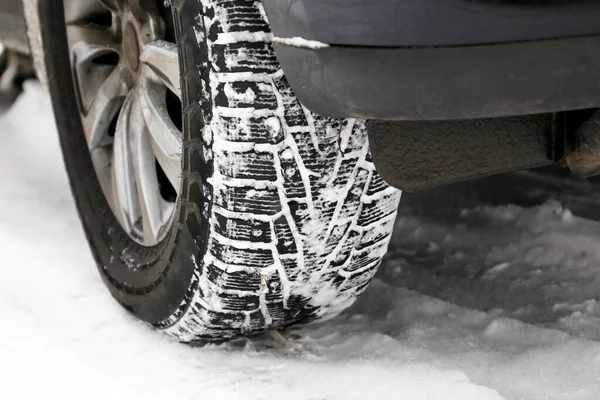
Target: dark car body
x=440 y=59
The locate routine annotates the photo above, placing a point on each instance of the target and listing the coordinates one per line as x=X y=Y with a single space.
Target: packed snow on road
x=487 y=303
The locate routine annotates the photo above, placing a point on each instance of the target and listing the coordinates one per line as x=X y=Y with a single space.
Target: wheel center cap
x=131 y=47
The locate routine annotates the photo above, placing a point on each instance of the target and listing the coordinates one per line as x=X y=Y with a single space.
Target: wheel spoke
x=144 y=10
x=112 y=5
x=105 y=105
x=92 y=37
x=124 y=101
x=162 y=58
x=102 y=158
x=126 y=201
x=155 y=210
x=137 y=9
x=165 y=138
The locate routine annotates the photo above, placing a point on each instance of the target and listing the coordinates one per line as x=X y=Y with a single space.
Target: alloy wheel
x=126 y=77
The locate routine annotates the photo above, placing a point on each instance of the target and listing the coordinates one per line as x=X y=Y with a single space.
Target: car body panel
x=407 y=23
x=456 y=82
x=439 y=59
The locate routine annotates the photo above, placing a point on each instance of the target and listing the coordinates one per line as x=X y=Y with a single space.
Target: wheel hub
x=123 y=71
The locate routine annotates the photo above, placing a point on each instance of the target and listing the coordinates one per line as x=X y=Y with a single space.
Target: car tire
x=281 y=218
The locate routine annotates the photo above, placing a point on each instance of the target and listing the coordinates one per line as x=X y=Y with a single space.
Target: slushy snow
x=512 y=323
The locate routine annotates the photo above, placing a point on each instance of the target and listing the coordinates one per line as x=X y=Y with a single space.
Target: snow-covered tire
x=282 y=218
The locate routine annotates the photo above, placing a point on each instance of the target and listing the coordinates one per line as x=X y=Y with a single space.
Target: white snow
x=297 y=41
x=62 y=336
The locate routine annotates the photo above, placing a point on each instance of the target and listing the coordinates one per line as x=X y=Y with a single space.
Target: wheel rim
x=127 y=81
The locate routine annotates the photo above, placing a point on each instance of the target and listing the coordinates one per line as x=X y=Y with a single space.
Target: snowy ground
x=483 y=303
